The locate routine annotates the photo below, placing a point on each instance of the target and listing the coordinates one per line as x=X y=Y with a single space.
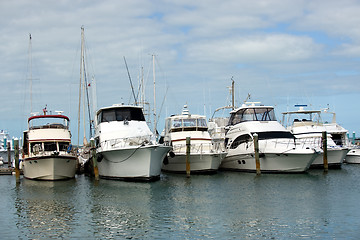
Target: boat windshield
x=252 y=114
x=188 y=124
x=121 y=114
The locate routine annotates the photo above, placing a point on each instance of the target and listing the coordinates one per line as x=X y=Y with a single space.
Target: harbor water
x=226 y=205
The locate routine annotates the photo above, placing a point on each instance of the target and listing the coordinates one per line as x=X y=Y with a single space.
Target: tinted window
x=121 y=114
x=50 y=146
x=272 y=135
x=241 y=139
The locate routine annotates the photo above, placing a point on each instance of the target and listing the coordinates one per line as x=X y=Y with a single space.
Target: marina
x=147 y=136
x=227 y=205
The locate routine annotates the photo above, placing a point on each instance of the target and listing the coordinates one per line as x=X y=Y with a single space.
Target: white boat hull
x=208 y=162
x=133 y=163
x=50 y=167
x=353 y=156
x=270 y=162
x=335 y=158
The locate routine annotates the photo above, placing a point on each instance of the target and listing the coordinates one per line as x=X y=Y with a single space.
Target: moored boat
x=47 y=149
x=205 y=156
x=307 y=126
x=278 y=151
x=126 y=148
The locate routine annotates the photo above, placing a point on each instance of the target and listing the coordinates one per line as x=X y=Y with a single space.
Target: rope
x=142 y=145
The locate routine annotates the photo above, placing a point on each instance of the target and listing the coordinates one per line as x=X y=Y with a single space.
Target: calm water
x=227 y=205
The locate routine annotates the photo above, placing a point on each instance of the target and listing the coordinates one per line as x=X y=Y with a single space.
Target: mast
x=232 y=93
x=81 y=81
x=30 y=70
x=155 y=123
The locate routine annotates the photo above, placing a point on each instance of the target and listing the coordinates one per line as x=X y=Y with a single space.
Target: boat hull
x=50 y=167
x=141 y=163
x=199 y=163
x=335 y=158
x=270 y=162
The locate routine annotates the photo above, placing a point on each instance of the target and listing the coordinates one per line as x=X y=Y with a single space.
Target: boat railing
x=284 y=143
x=196 y=148
x=126 y=142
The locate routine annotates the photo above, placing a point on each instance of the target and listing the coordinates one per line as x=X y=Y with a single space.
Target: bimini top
x=48 y=116
x=48 y=121
x=301 y=110
x=118 y=112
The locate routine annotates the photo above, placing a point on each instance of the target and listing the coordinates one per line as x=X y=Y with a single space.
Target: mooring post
x=16 y=153
x=93 y=156
x=188 y=145
x=9 y=154
x=324 y=146
x=256 y=149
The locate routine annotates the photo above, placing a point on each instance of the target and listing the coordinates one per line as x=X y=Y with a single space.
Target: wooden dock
x=8 y=171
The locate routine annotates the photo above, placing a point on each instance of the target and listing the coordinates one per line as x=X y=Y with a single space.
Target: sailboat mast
x=30 y=70
x=155 y=123
x=81 y=75
x=232 y=93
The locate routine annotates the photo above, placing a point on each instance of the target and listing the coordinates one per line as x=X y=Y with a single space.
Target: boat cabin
x=120 y=113
x=45 y=143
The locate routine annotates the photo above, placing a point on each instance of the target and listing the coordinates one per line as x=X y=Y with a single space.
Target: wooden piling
x=256 y=149
x=93 y=156
x=188 y=145
x=324 y=146
x=16 y=153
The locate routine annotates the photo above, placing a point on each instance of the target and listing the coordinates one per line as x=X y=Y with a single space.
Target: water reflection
x=224 y=206
x=45 y=209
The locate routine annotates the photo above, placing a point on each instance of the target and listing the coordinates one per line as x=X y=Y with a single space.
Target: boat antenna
x=232 y=93
x=132 y=87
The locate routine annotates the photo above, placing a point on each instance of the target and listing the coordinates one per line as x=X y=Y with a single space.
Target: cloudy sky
x=281 y=52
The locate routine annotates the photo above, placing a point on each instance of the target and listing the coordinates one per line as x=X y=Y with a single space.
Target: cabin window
x=50 y=146
x=177 y=123
x=122 y=114
x=36 y=147
x=108 y=116
x=189 y=122
x=202 y=123
x=240 y=139
x=63 y=146
x=273 y=135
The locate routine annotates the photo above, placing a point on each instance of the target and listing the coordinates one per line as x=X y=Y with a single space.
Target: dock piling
x=93 y=156
x=324 y=146
x=188 y=145
x=16 y=153
x=256 y=149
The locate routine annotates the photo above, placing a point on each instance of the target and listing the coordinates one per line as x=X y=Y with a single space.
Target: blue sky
x=281 y=52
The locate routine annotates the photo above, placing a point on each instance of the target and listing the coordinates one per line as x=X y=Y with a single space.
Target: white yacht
x=307 y=126
x=47 y=149
x=205 y=156
x=278 y=150
x=126 y=148
x=353 y=155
